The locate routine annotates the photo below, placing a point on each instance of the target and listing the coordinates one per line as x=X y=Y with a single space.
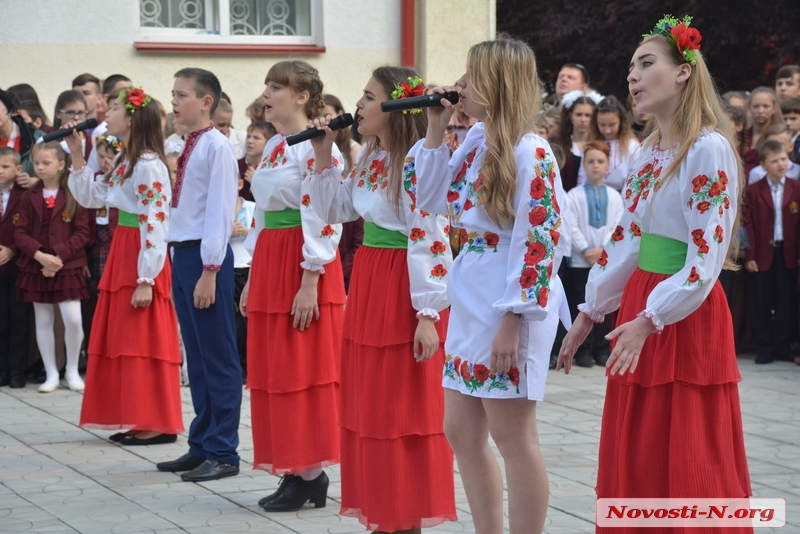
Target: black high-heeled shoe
x=298 y=492
x=285 y=479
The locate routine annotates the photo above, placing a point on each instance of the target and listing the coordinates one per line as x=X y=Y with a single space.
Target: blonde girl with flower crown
x=133 y=380
x=672 y=424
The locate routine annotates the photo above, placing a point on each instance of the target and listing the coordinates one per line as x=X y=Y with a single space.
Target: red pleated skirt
x=397 y=467
x=133 y=375
x=293 y=376
x=673 y=428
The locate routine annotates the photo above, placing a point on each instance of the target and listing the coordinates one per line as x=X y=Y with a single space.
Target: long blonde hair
x=503 y=79
x=402 y=131
x=699 y=107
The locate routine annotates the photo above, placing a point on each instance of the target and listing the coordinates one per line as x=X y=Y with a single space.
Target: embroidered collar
x=191 y=140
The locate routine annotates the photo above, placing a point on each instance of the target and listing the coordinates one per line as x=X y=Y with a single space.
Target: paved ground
x=56 y=477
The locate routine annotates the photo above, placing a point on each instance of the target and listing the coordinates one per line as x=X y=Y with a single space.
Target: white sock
x=310 y=475
x=45 y=338
x=73 y=336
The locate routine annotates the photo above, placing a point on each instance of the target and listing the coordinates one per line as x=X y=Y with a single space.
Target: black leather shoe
x=285 y=479
x=155 y=440
x=5 y=378
x=298 y=492
x=119 y=436
x=17 y=380
x=187 y=462
x=210 y=470
x=764 y=357
x=584 y=359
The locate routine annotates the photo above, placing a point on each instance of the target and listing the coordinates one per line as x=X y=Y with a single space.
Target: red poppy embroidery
x=492 y=239
x=703 y=206
x=161 y=216
x=698 y=182
x=416 y=234
x=718 y=234
x=635 y=230
x=537 y=216
x=327 y=231
x=697 y=236
x=603 y=261
x=438 y=248
x=528 y=278
x=143 y=218
x=439 y=271
x=618 y=235
x=535 y=253
x=538 y=188
x=481 y=372
x=306 y=200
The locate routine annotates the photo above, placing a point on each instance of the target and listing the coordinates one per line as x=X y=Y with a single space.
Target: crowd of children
x=160 y=236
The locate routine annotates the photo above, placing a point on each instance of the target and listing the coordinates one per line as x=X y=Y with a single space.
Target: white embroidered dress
x=145 y=193
x=696 y=206
x=362 y=195
x=499 y=270
x=278 y=184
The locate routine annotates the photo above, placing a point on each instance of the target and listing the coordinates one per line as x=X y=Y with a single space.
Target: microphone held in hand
x=342 y=121
x=414 y=102
x=60 y=134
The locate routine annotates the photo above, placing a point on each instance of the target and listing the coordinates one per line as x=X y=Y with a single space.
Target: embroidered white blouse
x=620 y=166
x=145 y=193
x=362 y=194
x=279 y=183
x=451 y=185
x=697 y=206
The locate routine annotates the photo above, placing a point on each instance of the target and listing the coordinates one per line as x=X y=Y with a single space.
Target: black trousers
x=776 y=306
x=596 y=343
x=240 y=276
x=14 y=327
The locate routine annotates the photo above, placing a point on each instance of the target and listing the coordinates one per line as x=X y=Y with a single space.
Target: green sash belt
x=661 y=255
x=378 y=237
x=277 y=220
x=128 y=219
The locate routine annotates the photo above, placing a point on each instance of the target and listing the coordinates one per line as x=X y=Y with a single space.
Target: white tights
x=73 y=337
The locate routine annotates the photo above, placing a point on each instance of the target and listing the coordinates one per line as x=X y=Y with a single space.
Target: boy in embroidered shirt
x=202 y=215
x=772 y=219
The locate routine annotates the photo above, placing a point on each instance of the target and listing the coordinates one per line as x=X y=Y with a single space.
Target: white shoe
x=76 y=385
x=48 y=387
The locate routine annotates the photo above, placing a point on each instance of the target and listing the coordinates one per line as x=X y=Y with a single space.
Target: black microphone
x=59 y=134
x=339 y=122
x=414 y=102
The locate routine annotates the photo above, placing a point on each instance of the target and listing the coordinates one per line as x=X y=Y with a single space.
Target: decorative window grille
x=237 y=22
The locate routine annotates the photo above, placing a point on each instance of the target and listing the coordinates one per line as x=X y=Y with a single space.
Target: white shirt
x=279 y=183
x=362 y=194
x=204 y=199
x=777 y=201
x=584 y=235
x=92 y=162
x=697 y=206
x=239 y=140
x=241 y=256
x=145 y=193
x=6 y=197
x=757 y=173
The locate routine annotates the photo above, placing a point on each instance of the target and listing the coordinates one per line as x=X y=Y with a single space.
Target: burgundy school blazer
x=67 y=238
x=7 y=224
x=759 y=220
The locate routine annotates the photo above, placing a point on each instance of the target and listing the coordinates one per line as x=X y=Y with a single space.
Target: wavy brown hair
x=72 y=207
x=402 y=131
x=146 y=136
x=503 y=78
x=610 y=104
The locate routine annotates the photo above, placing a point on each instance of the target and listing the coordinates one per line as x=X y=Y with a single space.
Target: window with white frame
x=242 y=22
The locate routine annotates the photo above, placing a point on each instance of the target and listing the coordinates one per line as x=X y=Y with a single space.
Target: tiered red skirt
x=293 y=376
x=133 y=373
x=673 y=428
x=397 y=467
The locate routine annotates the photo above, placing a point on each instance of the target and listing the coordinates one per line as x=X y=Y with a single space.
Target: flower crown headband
x=686 y=40
x=115 y=143
x=413 y=87
x=134 y=98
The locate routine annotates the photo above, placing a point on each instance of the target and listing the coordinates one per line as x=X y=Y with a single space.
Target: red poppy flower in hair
x=686 y=40
x=412 y=87
x=134 y=99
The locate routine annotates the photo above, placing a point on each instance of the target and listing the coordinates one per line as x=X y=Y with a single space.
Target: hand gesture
x=632 y=336
x=238 y=229
x=205 y=290
x=142 y=295
x=5 y=255
x=574 y=339
x=48 y=261
x=426 y=339
x=248 y=174
x=26 y=181
x=243 y=298
x=505 y=345
x=304 y=307
x=324 y=143
x=593 y=254
x=74 y=143
x=752 y=266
